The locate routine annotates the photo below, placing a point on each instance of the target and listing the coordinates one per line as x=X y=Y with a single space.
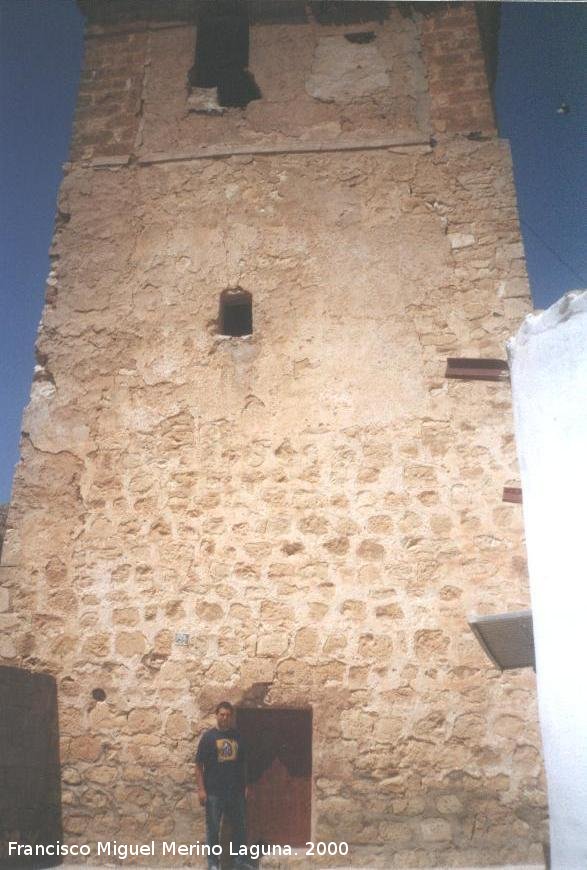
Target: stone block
x=389 y=611
x=7 y=648
x=397 y=834
x=371 y=550
x=96 y=646
x=70 y=776
x=130 y=643
x=126 y=616
x=509 y=726
x=272 y=644
x=436 y=830
x=341 y=71
x=177 y=726
x=449 y=805
x=144 y=720
x=257 y=670
x=84 y=748
x=102 y=774
x=4 y=600
x=306 y=642
x=430 y=643
x=461 y=240
x=388 y=729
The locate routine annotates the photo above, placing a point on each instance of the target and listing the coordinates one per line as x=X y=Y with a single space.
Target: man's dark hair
x=224 y=705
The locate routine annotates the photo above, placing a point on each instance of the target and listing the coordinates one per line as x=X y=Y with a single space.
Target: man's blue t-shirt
x=222 y=755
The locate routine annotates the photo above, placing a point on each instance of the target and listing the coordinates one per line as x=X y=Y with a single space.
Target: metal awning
x=507 y=638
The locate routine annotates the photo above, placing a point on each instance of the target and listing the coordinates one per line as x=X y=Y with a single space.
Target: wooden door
x=279 y=768
x=30 y=783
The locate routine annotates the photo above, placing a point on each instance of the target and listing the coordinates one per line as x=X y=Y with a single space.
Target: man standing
x=221 y=779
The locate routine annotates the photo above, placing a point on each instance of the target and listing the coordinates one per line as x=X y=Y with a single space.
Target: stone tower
x=244 y=474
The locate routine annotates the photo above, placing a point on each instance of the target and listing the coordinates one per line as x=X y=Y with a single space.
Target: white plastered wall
x=548 y=359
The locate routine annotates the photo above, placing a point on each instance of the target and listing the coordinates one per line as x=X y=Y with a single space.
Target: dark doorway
x=30 y=782
x=279 y=746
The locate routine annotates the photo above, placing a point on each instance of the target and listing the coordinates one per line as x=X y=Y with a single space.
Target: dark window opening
x=222 y=53
x=236 y=313
x=362 y=38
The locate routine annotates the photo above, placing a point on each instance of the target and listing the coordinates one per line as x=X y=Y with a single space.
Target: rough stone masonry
x=311 y=506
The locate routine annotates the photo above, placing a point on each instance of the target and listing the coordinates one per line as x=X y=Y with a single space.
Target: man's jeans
x=232 y=808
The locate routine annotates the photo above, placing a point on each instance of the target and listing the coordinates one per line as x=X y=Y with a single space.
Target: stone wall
x=314 y=506
x=316 y=86
x=459 y=91
x=418 y=75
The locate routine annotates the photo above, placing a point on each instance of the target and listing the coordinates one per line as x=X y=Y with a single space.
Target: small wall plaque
x=182 y=638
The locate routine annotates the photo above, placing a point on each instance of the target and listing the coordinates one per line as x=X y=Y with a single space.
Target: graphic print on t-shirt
x=226 y=749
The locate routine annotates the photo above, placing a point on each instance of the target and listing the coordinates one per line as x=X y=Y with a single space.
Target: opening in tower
x=236 y=312
x=222 y=53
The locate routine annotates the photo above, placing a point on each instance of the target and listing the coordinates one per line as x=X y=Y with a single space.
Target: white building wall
x=548 y=360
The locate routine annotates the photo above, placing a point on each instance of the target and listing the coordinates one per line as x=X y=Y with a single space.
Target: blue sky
x=543 y=63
